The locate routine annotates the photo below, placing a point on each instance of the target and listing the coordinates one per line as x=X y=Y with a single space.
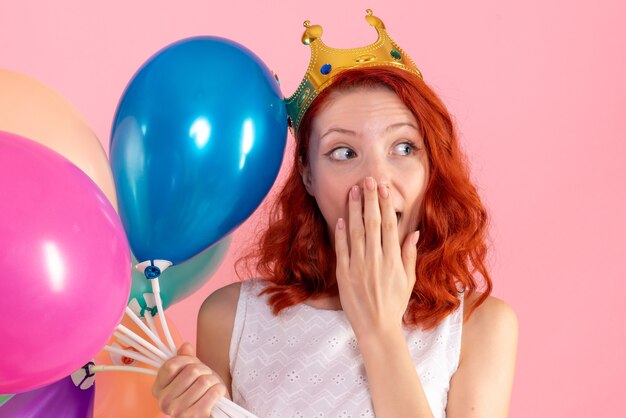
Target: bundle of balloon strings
x=156 y=353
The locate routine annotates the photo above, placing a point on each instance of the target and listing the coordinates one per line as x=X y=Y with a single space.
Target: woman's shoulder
x=491 y=327
x=493 y=314
x=222 y=301
x=221 y=305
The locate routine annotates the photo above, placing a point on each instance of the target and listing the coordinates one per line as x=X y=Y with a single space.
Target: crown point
x=311 y=33
x=306 y=23
x=373 y=20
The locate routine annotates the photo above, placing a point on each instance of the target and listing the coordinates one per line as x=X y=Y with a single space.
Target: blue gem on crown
x=326 y=69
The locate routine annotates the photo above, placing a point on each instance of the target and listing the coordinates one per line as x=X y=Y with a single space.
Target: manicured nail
x=370 y=183
x=355 y=192
x=415 y=237
x=341 y=224
x=384 y=191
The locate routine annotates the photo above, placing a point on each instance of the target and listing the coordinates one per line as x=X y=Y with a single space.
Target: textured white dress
x=305 y=362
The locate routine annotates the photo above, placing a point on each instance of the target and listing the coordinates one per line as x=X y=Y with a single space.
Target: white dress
x=305 y=362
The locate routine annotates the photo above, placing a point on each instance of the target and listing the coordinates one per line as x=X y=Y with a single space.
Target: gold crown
x=327 y=62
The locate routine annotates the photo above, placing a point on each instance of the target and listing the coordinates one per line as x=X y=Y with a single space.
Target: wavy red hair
x=295 y=252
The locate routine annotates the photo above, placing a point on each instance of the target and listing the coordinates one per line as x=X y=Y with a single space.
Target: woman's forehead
x=359 y=108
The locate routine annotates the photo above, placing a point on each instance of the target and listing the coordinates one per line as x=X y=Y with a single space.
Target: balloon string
x=127 y=341
x=155 y=338
x=143 y=342
x=232 y=409
x=157 y=296
x=216 y=412
x=97 y=369
x=150 y=320
x=132 y=354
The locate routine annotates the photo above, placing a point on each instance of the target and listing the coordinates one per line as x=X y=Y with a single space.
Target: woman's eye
x=405 y=148
x=341 y=153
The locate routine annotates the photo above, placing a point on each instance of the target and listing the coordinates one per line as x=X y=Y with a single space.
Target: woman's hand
x=186 y=387
x=375 y=275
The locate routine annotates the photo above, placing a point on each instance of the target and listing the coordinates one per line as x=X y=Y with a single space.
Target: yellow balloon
x=33 y=110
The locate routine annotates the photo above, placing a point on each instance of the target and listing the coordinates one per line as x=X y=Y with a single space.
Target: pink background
x=539 y=93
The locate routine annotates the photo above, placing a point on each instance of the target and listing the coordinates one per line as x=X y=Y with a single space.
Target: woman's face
x=360 y=133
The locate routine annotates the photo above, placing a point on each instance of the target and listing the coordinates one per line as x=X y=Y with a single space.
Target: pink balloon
x=64 y=266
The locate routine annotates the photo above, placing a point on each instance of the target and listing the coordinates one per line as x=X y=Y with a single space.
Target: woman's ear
x=305 y=173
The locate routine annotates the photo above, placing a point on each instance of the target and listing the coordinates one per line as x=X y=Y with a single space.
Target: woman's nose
x=378 y=168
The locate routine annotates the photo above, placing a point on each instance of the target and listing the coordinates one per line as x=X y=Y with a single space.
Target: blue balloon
x=197 y=142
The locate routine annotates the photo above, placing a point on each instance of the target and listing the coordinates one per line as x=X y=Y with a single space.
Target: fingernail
x=341 y=224
x=415 y=237
x=370 y=183
x=384 y=191
x=355 y=192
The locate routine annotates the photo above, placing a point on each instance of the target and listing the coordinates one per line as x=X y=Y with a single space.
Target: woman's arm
x=215 y=329
x=482 y=384
x=375 y=277
x=393 y=381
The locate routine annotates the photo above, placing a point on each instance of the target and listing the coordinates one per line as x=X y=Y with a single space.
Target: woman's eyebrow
x=339 y=130
x=353 y=133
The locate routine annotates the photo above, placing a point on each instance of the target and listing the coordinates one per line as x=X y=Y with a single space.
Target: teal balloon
x=181 y=280
x=4 y=399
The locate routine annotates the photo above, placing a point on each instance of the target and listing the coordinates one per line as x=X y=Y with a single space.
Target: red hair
x=295 y=252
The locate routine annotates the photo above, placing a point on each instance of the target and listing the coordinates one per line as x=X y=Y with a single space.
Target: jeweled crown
x=327 y=62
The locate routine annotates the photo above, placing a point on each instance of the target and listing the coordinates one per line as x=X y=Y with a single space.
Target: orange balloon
x=127 y=394
x=35 y=111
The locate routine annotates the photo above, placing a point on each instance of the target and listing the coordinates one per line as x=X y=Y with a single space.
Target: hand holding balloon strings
x=152 y=355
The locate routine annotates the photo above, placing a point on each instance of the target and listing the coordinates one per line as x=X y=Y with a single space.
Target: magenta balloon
x=64 y=266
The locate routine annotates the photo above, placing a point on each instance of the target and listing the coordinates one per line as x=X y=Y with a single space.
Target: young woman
x=369 y=301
